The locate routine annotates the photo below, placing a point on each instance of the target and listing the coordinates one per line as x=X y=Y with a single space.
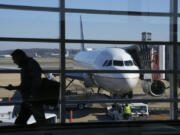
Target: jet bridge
x=150 y=57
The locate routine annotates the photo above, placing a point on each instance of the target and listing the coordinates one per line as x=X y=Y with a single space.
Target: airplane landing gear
x=99 y=90
x=128 y=95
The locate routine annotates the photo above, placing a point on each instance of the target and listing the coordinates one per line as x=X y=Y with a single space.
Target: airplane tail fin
x=82 y=35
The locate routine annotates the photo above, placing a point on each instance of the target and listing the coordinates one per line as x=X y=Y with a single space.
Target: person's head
x=19 y=57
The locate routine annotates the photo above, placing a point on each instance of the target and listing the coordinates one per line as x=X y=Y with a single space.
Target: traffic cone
x=9 y=99
x=70 y=116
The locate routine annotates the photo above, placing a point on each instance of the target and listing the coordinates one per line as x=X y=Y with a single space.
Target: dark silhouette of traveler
x=29 y=88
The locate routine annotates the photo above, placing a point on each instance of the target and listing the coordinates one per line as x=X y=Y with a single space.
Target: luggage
x=49 y=92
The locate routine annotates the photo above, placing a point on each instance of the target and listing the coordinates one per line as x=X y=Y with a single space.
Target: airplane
x=118 y=84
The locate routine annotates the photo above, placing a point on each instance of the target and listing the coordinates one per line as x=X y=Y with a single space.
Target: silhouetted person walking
x=29 y=88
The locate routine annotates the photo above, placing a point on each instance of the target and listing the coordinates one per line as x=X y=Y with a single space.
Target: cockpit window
x=128 y=63
x=118 y=63
x=105 y=63
x=109 y=63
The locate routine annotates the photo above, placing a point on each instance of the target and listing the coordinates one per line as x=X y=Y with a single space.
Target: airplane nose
x=131 y=80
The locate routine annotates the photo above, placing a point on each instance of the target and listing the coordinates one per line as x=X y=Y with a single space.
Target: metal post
x=173 y=58
x=62 y=60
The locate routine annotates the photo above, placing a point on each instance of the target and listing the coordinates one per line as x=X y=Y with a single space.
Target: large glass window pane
x=178 y=6
x=29 y=24
x=47 y=54
x=178 y=26
x=114 y=27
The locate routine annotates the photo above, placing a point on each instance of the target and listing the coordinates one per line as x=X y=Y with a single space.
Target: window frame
x=62 y=10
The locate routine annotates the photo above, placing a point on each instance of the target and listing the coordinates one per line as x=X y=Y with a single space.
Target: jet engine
x=153 y=88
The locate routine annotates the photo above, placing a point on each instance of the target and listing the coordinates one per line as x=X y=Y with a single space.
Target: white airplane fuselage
x=110 y=59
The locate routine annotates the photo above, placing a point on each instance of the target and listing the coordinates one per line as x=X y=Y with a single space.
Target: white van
x=139 y=110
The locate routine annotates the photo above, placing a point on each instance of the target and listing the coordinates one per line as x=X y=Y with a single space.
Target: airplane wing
x=9 y=67
x=85 y=77
x=78 y=76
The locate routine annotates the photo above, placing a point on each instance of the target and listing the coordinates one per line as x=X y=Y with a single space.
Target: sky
x=35 y=24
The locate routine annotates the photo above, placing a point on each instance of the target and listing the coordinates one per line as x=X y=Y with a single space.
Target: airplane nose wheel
x=130 y=94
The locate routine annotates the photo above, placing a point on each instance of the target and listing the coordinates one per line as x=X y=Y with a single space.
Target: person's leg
x=38 y=113
x=24 y=114
x=126 y=117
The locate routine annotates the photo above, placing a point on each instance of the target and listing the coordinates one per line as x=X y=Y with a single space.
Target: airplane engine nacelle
x=155 y=88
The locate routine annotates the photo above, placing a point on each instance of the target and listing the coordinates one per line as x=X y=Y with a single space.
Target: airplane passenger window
x=118 y=63
x=128 y=63
x=109 y=63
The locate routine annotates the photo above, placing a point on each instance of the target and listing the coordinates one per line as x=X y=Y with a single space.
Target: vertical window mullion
x=173 y=53
x=62 y=60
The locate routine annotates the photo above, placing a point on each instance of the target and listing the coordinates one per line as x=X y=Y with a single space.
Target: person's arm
x=11 y=87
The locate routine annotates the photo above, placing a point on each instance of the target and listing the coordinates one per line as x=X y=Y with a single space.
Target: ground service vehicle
x=139 y=111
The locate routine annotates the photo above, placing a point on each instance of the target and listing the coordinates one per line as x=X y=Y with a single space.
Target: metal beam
x=173 y=58
x=62 y=61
